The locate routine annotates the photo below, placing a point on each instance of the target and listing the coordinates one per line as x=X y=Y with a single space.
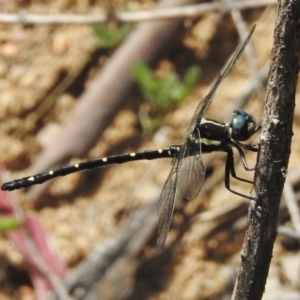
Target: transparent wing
x=166 y=203
x=186 y=178
x=191 y=176
x=205 y=102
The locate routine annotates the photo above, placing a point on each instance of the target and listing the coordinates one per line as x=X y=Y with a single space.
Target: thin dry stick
x=291 y=203
x=172 y=13
x=251 y=84
x=274 y=154
x=243 y=31
x=33 y=118
x=288 y=232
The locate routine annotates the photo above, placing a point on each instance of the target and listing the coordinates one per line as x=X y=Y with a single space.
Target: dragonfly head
x=242 y=126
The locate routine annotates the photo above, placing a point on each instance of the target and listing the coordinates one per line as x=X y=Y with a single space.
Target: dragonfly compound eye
x=243 y=125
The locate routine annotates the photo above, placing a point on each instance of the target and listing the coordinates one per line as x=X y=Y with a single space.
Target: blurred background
x=73 y=92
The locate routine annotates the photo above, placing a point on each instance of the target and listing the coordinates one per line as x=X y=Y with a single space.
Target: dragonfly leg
x=230 y=166
x=230 y=170
x=243 y=158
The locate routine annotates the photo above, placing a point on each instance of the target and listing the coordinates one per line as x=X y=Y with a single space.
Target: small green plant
x=161 y=94
x=7 y=223
x=111 y=36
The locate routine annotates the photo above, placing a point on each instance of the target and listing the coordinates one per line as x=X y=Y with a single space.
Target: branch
x=124 y=246
x=172 y=13
x=274 y=154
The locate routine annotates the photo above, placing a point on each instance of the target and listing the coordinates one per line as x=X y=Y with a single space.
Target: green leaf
x=9 y=223
x=111 y=37
x=191 y=77
x=161 y=94
x=143 y=75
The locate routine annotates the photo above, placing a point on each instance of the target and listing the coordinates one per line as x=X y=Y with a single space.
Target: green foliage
x=162 y=94
x=109 y=36
x=9 y=223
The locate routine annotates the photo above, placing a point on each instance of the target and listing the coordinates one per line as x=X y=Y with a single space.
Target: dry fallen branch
x=123 y=246
x=171 y=13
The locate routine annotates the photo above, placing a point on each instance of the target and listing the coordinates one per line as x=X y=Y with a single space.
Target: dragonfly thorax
x=210 y=135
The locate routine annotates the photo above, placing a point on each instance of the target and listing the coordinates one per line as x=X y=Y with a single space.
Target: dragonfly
x=187 y=173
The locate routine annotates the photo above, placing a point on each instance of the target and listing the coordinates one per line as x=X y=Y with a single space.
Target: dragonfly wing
x=206 y=101
x=166 y=203
x=186 y=179
x=191 y=177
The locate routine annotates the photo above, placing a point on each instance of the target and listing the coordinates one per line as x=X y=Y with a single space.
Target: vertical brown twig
x=274 y=152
